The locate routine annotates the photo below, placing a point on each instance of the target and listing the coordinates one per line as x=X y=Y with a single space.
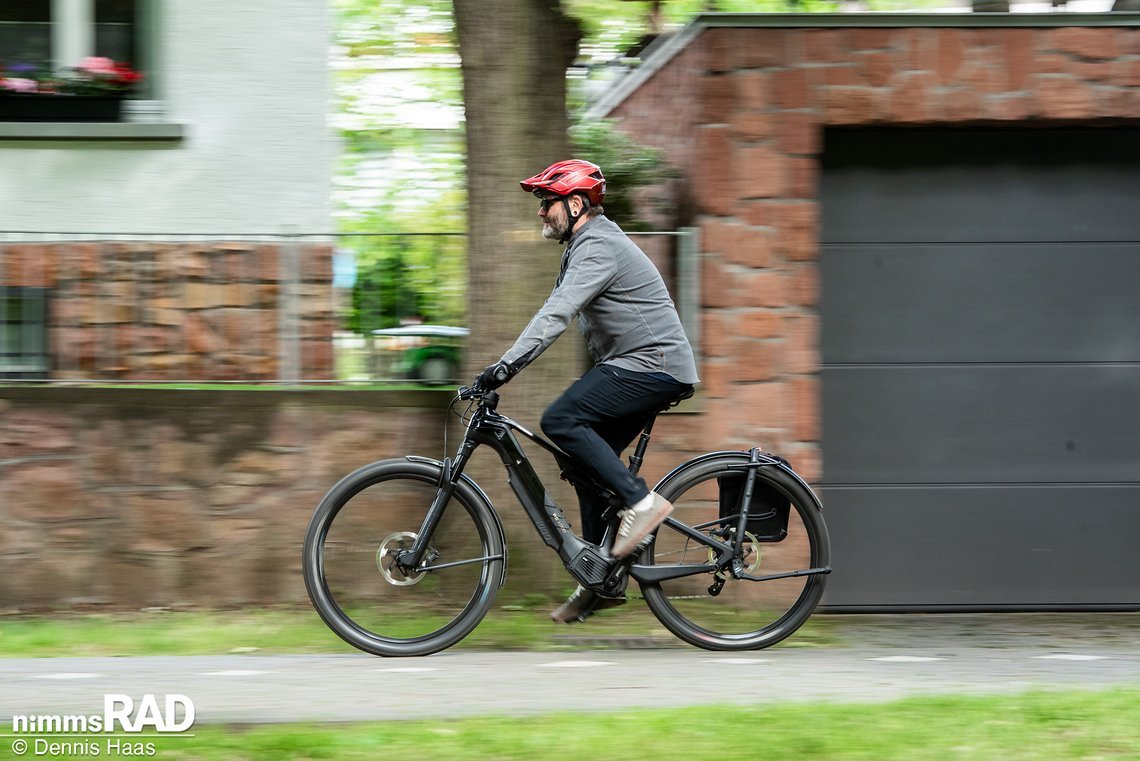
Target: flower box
x=33 y=107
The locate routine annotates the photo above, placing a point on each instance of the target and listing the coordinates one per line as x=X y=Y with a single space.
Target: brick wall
x=134 y=498
x=128 y=498
x=742 y=112
x=177 y=311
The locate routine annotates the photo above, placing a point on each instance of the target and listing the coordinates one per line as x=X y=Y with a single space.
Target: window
x=25 y=34
x=115 y=31
x=49 y=35
x=23 y=332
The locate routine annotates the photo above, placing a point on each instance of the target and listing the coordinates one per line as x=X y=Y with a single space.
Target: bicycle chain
x=671 y=597
x=681 y=552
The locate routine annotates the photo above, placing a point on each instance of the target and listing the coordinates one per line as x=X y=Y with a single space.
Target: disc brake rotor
x=751 y=553
x=386 y=559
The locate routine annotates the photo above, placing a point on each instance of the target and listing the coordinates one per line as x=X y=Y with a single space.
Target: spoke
x=456 y=564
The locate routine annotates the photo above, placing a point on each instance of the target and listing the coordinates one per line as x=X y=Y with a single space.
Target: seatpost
x=638 y=455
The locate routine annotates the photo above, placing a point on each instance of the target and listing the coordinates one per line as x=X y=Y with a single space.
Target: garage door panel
x=980 y=547
x=980 y=185
x=992 y=424
x=981 y=303
x=981 y=366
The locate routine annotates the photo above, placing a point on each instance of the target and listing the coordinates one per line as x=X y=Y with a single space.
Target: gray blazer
x=622 y=305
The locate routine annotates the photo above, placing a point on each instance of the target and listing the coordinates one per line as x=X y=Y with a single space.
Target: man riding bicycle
x=643 y=358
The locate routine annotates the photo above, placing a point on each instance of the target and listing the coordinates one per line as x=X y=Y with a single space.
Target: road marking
x=906 y=659
x=406 y=670
x=1070 y=657
x=737 y=661
x=237 y=672
x=575 y=664
x=69 y=675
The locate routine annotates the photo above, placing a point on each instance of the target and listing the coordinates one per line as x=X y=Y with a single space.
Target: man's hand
x=494 y=376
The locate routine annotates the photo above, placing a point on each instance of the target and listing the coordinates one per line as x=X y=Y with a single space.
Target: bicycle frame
x=714 y=552
x=585 y=560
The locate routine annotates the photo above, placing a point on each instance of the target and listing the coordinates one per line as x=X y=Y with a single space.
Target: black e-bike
x=739 y=565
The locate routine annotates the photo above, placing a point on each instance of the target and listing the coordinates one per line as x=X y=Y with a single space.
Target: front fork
x=588 y=563
x=409 y=560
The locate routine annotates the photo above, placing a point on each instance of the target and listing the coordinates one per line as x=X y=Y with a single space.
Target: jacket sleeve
x=590 y=271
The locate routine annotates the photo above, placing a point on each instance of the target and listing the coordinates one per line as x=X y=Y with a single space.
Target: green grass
x=1048 y=726
x=164 y=633
x=522 y=626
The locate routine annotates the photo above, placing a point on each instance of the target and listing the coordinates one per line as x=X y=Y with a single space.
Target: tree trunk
x=514 y=57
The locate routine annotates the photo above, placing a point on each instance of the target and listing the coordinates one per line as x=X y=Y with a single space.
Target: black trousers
x=598 y=417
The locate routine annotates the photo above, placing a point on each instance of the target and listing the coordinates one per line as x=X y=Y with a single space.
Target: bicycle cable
x=463 y=416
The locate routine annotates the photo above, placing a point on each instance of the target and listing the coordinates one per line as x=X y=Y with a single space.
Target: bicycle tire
x=363 y=599
x=760 y=616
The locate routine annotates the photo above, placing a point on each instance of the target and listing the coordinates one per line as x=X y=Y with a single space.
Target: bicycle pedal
x=600 y=604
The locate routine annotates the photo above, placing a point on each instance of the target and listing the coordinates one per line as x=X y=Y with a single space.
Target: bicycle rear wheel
x=357 y=588
x=743 y=614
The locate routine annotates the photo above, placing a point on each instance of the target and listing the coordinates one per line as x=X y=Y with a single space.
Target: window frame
x=143 y=116
x=31 y=359
x=73 y=33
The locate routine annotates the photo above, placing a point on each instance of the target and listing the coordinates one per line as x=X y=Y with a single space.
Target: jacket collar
x=591 y=222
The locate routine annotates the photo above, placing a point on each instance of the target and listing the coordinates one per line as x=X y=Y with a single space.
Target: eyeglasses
x=545 y=203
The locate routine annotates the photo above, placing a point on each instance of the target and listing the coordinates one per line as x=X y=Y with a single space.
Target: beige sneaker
x=638 y=522
x=583 y=604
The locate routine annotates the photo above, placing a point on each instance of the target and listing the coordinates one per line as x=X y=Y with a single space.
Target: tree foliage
x=400 y=110
x=628 y=166
x=400 y=106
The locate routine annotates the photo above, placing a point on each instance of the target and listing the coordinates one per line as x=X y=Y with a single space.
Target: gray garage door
x=981 y=378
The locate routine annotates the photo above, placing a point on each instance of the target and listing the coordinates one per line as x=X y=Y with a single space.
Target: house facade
x=176 y=230
x=919 y=245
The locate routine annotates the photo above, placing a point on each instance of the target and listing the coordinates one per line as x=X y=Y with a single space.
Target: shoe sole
x=639 y=537
x=602 y=603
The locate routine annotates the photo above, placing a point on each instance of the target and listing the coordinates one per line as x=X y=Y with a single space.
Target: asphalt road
x=884 y=657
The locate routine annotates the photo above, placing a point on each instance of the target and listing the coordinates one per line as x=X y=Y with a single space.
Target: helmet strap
x=571 y=216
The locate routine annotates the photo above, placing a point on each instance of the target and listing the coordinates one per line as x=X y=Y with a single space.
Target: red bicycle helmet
x=570 y=176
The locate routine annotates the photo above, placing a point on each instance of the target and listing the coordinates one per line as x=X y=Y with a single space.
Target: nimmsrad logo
x=174 y=714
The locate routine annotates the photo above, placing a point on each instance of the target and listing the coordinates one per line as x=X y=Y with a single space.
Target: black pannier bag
x=768 y=512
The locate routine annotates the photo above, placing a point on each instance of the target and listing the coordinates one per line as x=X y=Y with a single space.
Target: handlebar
x=486 y=398
x=476 y=390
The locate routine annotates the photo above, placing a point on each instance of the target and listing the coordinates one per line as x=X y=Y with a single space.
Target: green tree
x=514 y=57
x=629 y=167
x=401 y=174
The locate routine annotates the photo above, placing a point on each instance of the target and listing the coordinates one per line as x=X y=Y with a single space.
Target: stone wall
x=742 y=112
x=128 y=498
x=179 y=311
x=134 y=498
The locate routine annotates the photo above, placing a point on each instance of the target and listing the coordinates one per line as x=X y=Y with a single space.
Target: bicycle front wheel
x=727 y=613
x=363 y=595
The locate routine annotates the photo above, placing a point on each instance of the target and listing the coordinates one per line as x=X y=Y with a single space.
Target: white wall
x=250 y=82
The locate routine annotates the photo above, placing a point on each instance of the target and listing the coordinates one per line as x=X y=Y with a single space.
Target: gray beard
x=552 y=231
